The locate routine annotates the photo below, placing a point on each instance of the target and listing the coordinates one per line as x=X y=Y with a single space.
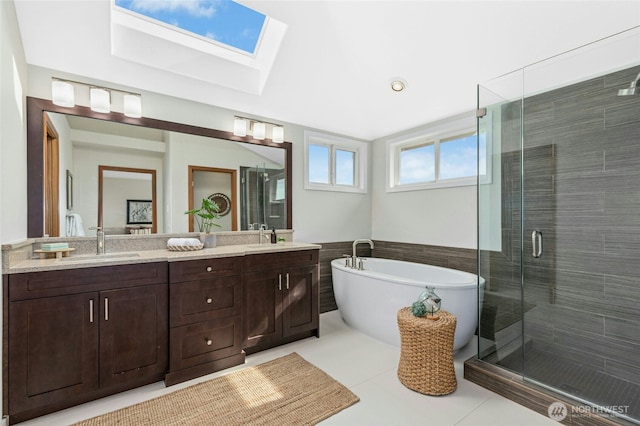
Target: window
x=444 y=155
x=229 y=23
x=417 y=164
x=240 y=44
x=334 y=164
x=459 y=157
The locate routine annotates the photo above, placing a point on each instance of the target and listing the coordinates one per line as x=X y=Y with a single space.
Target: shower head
x=632 y=89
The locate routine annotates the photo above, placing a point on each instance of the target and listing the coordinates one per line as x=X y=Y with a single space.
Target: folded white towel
x=74 y=225
x=183 y=242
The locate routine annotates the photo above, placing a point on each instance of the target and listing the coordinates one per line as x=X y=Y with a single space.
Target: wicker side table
x=426 y=353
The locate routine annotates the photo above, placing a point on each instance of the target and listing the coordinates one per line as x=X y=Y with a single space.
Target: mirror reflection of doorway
x=51 y=175
x=219 y=185
x=127 y=200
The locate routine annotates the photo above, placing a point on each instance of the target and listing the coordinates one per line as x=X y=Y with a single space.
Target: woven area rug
x=286 y=391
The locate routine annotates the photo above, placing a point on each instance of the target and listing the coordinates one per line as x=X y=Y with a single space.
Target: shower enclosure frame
x=530 y=181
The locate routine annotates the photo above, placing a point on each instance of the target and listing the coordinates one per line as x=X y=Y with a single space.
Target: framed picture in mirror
x=139 y=212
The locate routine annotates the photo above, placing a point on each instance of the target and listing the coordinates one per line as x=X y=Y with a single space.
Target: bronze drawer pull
x=209 y=342
x=209 y=300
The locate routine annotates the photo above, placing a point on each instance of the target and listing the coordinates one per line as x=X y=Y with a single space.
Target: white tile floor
x=368 y=368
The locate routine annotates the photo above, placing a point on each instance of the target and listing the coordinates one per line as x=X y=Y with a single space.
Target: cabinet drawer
x=261 y=262
x=34 y=285
x=204 y=342
x=204 y=268
x=202 y=300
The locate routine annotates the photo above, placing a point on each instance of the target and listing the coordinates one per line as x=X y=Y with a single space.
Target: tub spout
x=354 y=257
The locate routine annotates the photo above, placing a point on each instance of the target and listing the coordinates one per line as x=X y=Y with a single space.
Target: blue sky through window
x=459 y=157
x=345 y=167
x=318 y=164
x=417 y=165
x=224 y=21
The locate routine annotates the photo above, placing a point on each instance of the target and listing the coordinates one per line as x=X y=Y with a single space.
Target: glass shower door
x=581 y=236
x=499 y=222
x=559 y=228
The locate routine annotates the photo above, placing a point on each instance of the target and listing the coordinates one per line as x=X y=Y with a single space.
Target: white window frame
x=360 y=149
x=444 y=131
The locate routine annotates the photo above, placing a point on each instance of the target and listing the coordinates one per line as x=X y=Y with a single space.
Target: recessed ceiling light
x=398 y=85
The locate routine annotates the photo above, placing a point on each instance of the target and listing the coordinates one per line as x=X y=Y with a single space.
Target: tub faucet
x=354 y=257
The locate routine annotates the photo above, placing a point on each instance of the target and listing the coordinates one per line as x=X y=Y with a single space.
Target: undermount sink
x=263 y=246
x=98 y=257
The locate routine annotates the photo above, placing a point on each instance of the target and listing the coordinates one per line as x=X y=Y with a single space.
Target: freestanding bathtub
x=369 y=300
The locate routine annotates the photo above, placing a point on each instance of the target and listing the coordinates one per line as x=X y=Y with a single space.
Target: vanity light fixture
x=100 y=99
x=63 y=94
x=132 y=105
x=258 y=128
x=239 y=126
x=277 y=134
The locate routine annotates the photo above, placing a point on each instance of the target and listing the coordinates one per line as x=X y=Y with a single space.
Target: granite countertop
x=147 y=256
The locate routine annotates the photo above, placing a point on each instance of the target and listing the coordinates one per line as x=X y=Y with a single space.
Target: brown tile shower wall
x=455 y=258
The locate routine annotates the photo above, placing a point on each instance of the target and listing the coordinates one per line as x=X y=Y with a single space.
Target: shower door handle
x=536 y=243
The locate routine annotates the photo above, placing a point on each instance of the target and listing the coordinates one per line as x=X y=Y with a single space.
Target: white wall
x=325 y=216
x=13 y=148
x=441 y=217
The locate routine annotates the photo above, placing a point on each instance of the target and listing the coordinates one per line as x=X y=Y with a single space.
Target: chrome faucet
x=99 y=239
x=354 y=257
x=262 y=234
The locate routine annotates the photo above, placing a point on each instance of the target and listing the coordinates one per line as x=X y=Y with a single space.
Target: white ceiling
x=338 y=57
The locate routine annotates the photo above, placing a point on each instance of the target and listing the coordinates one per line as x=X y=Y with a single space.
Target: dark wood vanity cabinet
x=280 y=298
x=75 y=335
x=205 y=317
x=79 y=334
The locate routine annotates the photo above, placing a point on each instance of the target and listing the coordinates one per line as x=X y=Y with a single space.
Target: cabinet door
x=261 y=307
x=134 y=331
x=53 y=351
x=300 y=300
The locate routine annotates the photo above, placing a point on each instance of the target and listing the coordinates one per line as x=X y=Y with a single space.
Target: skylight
x=221 y=21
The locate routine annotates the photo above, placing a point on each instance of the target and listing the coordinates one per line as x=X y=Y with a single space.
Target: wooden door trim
x=51 y=178
x=154 y=195
x=234 y=198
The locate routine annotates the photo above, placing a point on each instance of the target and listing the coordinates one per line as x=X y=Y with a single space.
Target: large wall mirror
x=131 y=175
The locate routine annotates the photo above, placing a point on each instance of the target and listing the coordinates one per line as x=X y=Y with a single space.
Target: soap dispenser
x=274 y=238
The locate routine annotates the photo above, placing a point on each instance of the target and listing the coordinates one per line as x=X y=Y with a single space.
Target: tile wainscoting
x=448 y=257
